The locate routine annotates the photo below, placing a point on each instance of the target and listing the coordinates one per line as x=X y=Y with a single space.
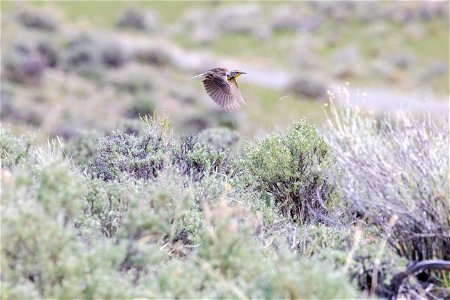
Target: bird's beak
x=242 y=73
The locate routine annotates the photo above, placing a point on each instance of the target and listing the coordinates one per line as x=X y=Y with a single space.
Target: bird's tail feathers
x=199 y=75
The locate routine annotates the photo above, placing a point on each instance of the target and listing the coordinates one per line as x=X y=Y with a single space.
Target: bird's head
x=234 y=74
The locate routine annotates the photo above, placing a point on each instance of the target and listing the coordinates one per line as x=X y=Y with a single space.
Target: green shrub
x=27 y=58
x=197 y=159
x=312 y=239
x=66 y=234
x=48 y=50
x=309 y=88
x=154 y=55
x=132 y=80
x=158 y=212
x=230 y=255
x=294 y=169
x=38 y=241
x=81 y=148
x=113 y=55
x=43 y=257
x=105 y=204
x=124 y=155
x=13 y=150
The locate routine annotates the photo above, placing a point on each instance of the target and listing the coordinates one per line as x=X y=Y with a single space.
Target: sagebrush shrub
x=126 y=155
x=37 y=19
x=230 y=253
x=38 y=202
x=49 y=52
x=397 y=168
x=89 y=55
x=24 y=67
x=81 y=148
x=104 y=205
x=197 y=159
x=158 y=210
x=308 y=87
x=293 y=168
x=220 y=138
x=135 y=19
x=113 y=55
x=13 y=150
x=68 y=234
x=395 y=174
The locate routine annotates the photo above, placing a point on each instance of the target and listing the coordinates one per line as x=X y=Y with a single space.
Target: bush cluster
x=144 y=214
x=400 y=169
x=293 y=168
x=126 y=155
x=198 y=159
x=143 y=156
x=87 y=55
x=24 y=65
x=395 y=175
x=133 y=18
x=13 y=150
x=38 y=20
x=130 y=233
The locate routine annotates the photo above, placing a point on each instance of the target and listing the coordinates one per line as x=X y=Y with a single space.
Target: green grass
x=251 y=48
x=433 y=46
x=268 y=109
x=105 y=13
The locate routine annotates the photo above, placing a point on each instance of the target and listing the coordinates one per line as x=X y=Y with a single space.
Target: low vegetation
x=147 y=214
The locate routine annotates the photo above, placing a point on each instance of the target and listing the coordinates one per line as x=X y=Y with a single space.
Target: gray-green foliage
x=268 y=273
x=23 y=65
x=197 y=159
x=39 y=200
x=90 y=54
x=56 y=243
x=37 y=19
x=144 y=155
x=13 y=149
x=294 y=168
x=395 y=173
x=68 y=234
x=221 y=138
x=81 y=148
x=128 y=155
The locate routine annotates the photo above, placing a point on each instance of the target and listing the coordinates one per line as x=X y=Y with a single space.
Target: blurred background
x=76 y=66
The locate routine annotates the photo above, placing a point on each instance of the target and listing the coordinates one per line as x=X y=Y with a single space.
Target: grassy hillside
x=129 y=53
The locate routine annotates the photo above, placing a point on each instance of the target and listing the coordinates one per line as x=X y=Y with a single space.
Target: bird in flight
x=222 y=87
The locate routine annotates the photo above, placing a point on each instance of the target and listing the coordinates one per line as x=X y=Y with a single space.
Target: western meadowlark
x=222 y=87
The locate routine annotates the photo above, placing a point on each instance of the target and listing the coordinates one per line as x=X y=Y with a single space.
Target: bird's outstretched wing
x=224 y=92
